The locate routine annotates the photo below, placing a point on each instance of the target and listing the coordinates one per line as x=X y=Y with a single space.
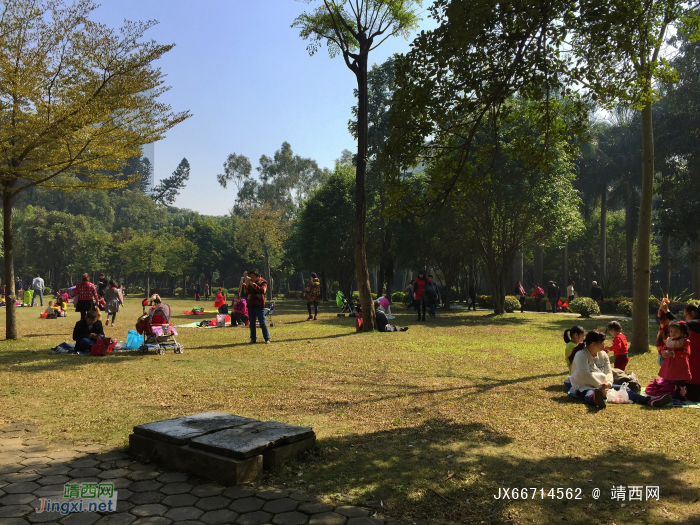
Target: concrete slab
x=275 y=456
x=181 y=430
x=226 y=470
x=252 y=439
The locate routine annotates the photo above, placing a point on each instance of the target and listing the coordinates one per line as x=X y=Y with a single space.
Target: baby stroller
x=345 y=305
x=267 y=312
x=157 y=333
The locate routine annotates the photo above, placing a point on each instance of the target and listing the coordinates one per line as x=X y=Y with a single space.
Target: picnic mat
x=205 y=312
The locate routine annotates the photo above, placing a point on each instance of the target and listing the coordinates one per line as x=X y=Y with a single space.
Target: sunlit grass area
x=430 y=422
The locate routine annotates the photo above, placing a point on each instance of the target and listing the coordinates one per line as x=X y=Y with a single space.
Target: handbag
x=103 y=346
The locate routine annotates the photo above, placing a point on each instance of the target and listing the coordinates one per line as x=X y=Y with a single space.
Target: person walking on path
x=38 y=287
x=520 y=294
x=312 y=293
x=419 y=293
x=553 y=295
x=256 y=287
x=597 y=293
x=472 y=296
x=113 y=302
x=197 y=291
x=87 y=296
x=570 y=292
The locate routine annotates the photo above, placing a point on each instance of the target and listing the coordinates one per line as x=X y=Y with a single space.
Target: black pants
x=113 y=316
x=308 y=307
x=522 y=304
x=238 y=317
x=420 y=304
x=473 y=305
x=538 y=302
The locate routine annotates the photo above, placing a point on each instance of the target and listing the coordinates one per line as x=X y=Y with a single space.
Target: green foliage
x=624 y=308
x=511 y=304
x=178 y=292
x=485 y=301
x=399 y=297
x=47 y=290
x=584 y=306
x=169 y=188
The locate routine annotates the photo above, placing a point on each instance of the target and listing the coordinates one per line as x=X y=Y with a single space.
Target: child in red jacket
x=619 y=345
x=675 y=353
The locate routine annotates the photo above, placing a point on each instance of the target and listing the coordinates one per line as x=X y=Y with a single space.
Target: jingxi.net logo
x=82 y=497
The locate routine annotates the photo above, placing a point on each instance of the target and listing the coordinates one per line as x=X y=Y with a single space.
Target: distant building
x=149 y=152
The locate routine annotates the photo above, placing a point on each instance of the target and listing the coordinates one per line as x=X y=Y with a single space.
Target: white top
x=589 y=372
x=38 y=284
x=570 y=290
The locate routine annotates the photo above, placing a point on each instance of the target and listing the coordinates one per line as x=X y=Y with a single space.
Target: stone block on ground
x=252 y=439
x=226 y=470
x=181 y=430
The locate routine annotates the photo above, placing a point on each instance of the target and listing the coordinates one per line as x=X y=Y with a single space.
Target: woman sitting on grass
x=240 y=311
x=591 y=375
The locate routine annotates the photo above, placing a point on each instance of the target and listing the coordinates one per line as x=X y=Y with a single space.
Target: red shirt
x=418 y=288
x=619 y=344
x=86 y=291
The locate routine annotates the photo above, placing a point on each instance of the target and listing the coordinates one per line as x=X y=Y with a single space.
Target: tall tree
x=169 y=188
x=619 y=48
x=237 y=169
x=353 y=28
x=75 y=97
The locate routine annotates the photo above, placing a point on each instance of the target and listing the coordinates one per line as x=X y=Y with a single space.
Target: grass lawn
x=431 y=422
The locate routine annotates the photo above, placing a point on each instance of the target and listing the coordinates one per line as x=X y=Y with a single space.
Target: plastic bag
x=133 y=340
x=220 y=320
x=618 y=396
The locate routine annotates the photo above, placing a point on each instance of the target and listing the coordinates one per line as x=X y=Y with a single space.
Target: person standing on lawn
x=597 y=293
x=256 y=287
x=207 y=291
x=520 y=294
x=619 y=345
x=472 y=296
x=432 y=295
x=409 y=290
x=553 y=295
x=102 y=285
x=197 y=291
x=312 y=293
x=419 y=293
x=113 y=301
x=38 y=287
x=18 y=287
x=570 y=292
x=87 y=296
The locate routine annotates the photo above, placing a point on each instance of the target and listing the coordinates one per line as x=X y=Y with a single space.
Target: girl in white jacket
x=591 y=375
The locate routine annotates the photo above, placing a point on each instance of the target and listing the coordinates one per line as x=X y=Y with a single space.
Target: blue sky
x=250 y=83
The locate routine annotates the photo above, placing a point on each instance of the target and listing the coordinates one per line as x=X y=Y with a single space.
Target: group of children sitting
x=591 y=375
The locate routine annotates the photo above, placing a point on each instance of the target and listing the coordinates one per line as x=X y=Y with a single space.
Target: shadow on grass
x=442 y=470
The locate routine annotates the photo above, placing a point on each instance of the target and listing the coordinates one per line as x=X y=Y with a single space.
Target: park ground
x=431 y=422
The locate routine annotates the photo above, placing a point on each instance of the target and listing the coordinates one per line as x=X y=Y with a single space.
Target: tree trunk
x=324 y=290
x=603 y=233
x=361 y=269
x=8 y=240
x=640 y=313
x=695 y=268
x=539 y=263
x=148 y=281
x=665 y=263
x=268 y=275
x=629 y=230
x=518 y=268
x=564 y=267
x=389 y=277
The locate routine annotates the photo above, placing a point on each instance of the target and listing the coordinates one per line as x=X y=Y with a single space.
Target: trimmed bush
x=484 y=301
x=584 y=306
x=295 y=294
x=512 y=304
x=47 y=290
x=399 y=297
x=178 y=292
x=609 y=305
x=624 y=308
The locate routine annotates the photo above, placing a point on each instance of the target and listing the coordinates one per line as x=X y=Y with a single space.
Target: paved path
x=147 y=494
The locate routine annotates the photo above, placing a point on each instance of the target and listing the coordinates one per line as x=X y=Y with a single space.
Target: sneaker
x=267 y=342
x=314 y=317
x=660 y=401
x=404 y=329
x=599 y=398
x=252 y=342
x=423 y=319
x=309 y=318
